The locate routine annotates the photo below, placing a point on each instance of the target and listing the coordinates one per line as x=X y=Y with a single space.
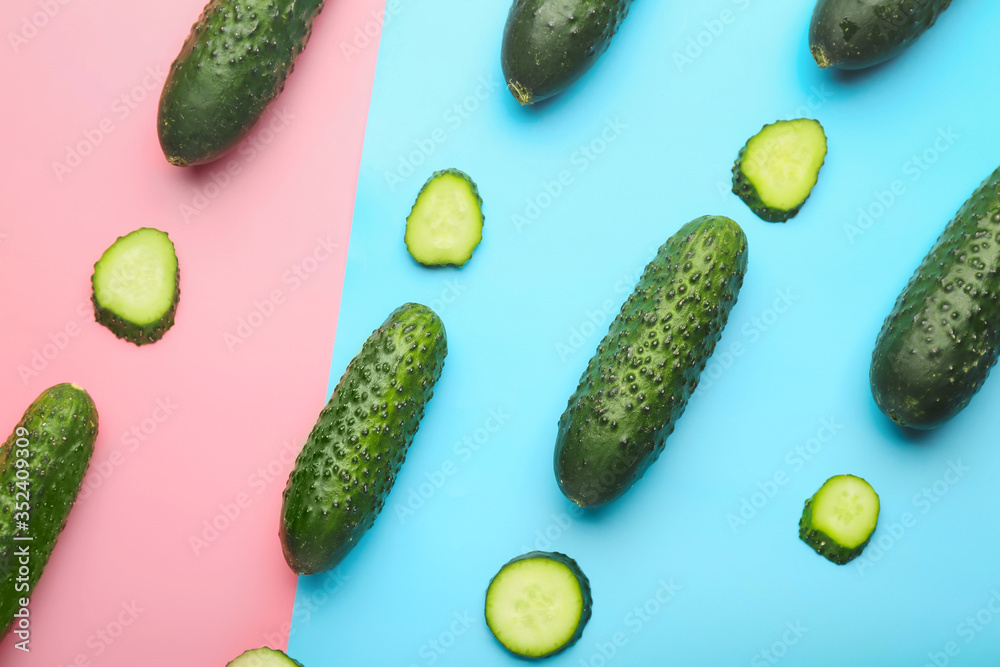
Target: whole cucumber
x=350 y=460
x=942 y=337
x=854 y=34
x=549 y=44
x=42 y=465
x=638 y=384
x=233 y=64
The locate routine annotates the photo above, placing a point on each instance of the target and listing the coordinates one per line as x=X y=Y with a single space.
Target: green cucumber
x=854 y=34
x=937 y=346
x=549 y=44
x=136 y=286
x=839 y=519
x=42 y=465
x=777 y=168
x=263 y=657
x=446 y=222
x=233 y=64
x=350 y=460
x=646 y=368
x=538 y=604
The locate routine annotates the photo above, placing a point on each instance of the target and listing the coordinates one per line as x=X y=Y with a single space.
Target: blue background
x=520 y=319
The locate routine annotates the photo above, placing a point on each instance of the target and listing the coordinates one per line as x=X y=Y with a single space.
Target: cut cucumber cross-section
x=136 y=286
x=263 y=657
x=838 y=521
x=538 y=604
x=446 y=222
x=777 y=168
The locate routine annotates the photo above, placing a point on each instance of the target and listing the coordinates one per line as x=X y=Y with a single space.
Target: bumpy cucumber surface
x=941 y=339
x=263 y=657
x=42 y=465
x=839 y=519
x=538 y=604
x=350 y=460
x=777 y=168
x=233 y=64
x=549 y=44
x=854 y=34
x=136 y=286
x=638 y=384
x=446 y=222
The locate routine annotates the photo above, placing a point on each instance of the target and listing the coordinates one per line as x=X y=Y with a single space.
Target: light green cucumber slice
x=538 y=604
x=777 y=168
x=446 y=222
x=135 y=286
x=838 y=521
x=263 y=657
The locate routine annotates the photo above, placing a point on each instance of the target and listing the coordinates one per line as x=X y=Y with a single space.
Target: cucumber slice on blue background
x=446 y=222
x=839 y=519
x=538 y=604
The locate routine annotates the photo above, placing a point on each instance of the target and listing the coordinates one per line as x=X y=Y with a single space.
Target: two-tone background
x=171 y=554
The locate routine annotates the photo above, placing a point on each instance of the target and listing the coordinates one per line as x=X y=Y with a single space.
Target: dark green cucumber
x=233 y=64
x=854 y=34
x=446 y=222
x=351 y=458
x=136 y=286
x=263 y=657
x=776 y=170
x=638 y=384
x=42 y=465
x=538 y=604
x=549 y=44
x=840 y=518
x=941 y=339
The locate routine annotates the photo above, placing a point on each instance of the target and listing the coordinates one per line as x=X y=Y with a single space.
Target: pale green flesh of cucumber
x=446 y=223
x=846 y=510
x=534 y=606
x=783 y=161
x=136 y=278
x=263 y=657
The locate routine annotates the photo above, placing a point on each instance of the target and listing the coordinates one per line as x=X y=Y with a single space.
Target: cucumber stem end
x=520 y=93
x=820 y=56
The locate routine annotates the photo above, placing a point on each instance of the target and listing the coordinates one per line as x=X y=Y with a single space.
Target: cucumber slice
x=776 y=171
x=136 y=286
x=263 y=657
x=538 y=604
x=838 y=521
x=446 y=222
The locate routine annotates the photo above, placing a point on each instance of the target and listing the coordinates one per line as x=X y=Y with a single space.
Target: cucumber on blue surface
x=636 y=387
x=942 y=337
x=549 y=44
x=352 y=455
x=854 y=34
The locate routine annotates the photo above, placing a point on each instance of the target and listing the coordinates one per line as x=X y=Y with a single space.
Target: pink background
x=233 y=410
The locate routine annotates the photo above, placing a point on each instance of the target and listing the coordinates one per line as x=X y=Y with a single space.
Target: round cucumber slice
x=840 y=518
x=263 y=657
x=538 y=604
x=446 y=222
x=135 y=285
x=776 y=171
